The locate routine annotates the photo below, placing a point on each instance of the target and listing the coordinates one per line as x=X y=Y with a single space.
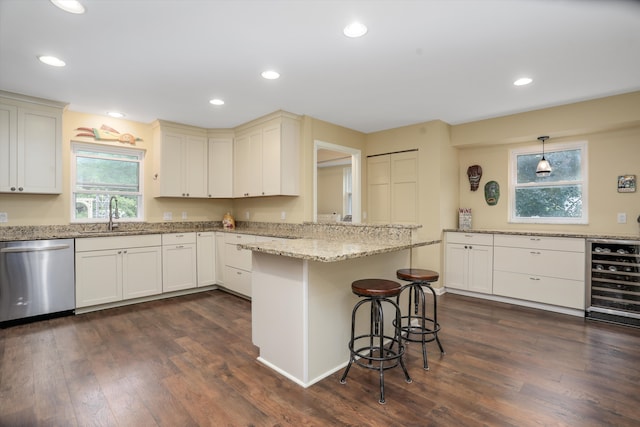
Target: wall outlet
x=622 y=218
x=184 y=215
x=246 y=215
x=167 y=216
x=283 y=215
x=4 y=217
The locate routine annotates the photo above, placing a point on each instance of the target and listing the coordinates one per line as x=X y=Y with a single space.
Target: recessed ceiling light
x=71 y=6
x=217 y=101
x=355 y=29
x=270 y=75
x=52 y=60
x=522 y=81
x=116 y=114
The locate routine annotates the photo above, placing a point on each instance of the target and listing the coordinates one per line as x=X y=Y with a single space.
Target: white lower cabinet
x=111 y=269
x=220 y=257
x=237 y=270
x=206 y=258
x=179 y=262
x=469 y=262
x=549 y=270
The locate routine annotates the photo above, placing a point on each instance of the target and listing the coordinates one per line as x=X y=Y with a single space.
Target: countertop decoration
x=228 y=222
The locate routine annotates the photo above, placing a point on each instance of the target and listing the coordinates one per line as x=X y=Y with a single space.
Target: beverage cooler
x=613 y=281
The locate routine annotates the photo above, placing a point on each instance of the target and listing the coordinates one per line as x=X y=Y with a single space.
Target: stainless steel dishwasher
x=36 y=278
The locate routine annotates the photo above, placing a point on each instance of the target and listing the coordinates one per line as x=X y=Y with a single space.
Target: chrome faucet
x=111 y=213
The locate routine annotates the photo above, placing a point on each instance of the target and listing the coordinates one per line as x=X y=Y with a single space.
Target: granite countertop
x=550 y=234
x=329 y=250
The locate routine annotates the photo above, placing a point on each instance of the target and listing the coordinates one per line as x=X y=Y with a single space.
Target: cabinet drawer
x=547 y=290
x=470 y=238
x=178 y=238
x=237 y=280
x=236 y=257
x=117 y=242
x=540 y=242
x=239 y=238
x=564 y=265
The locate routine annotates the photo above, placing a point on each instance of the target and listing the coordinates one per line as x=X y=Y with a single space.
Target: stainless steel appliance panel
x=36 y=278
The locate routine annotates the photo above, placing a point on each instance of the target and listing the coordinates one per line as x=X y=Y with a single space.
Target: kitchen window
x=99 y=172
x=561 y=197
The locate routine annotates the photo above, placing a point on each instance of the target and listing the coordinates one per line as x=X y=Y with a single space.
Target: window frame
x=102 y=148
x=583 y=182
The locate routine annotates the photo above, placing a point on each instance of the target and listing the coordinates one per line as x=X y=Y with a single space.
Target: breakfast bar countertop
x=329 y=250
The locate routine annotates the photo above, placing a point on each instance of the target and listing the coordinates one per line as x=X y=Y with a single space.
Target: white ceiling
x=420 y=61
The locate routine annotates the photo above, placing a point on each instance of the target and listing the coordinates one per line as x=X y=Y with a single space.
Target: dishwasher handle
x=33 y=248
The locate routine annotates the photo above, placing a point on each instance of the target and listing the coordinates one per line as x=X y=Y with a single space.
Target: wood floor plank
x=189 y=361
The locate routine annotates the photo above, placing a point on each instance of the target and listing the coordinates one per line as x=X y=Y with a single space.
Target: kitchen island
x=302 y=299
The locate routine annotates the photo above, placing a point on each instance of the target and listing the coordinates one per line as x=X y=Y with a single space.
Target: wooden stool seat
x=376 y=288
x=377 y=348
x=417 y=275
x=416 y=325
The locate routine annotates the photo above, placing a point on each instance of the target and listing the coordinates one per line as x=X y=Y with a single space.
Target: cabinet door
x=379 y=189
x=220 y=257
x=39 y=152
x=404 y=188
x=206 y=255
x=171 y=165
x=141 y=272
x=98 y=277
x=194 y=171
x=271 y=161
x=179 y=267
x=241 y=176
x=456 y=266
x=481 y=268
x=8 y=143
x=220 y=167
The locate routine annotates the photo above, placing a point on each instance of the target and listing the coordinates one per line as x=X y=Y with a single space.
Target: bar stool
x=368 y=350
x=415 y=325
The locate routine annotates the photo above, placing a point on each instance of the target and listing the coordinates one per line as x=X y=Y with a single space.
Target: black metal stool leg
x=436 y=326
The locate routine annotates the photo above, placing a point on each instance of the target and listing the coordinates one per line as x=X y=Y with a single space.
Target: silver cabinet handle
x=535 y=253
x=534 y=278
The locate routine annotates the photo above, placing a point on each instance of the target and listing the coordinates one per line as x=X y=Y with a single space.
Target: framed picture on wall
x=626 y=184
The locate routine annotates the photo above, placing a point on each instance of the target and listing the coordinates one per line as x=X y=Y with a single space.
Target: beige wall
x=437 y=180
x=613 y=138
x=610 y=125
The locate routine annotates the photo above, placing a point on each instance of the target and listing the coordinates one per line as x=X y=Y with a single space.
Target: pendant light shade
x=544 y=167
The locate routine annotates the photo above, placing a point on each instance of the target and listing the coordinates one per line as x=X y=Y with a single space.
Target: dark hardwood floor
x=189 y=361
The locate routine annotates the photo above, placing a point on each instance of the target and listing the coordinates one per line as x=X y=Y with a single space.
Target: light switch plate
x=167 y=216
x=4 y=217
x=622 y=218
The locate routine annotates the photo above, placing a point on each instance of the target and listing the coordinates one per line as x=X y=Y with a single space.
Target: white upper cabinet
x=181 y=156
x=220 y=171
x=30 y=145
x=266 y=157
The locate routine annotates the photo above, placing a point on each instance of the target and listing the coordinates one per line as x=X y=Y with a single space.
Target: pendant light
x=544 y=168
